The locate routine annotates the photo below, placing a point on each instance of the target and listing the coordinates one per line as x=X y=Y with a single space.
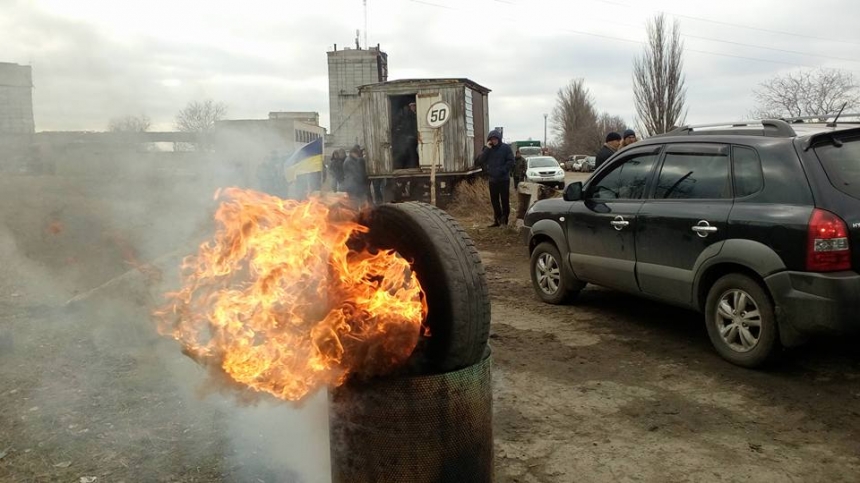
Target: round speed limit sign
x=438 y=114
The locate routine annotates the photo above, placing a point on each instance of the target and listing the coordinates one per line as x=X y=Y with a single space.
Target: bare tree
x=806 y=93
x=132 y=124
x=658 y=80
x=200 y=117
x=606 y=124
x=574 y=119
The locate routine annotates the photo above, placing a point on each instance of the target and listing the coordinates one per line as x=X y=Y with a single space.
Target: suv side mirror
x=573 y=192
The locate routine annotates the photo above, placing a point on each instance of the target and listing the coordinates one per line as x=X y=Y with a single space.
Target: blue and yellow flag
x=307 y=160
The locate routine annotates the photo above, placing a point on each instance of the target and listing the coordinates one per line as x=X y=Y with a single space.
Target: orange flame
x=280 y=302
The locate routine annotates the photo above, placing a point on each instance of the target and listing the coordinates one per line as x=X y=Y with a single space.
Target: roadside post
x=437 y=116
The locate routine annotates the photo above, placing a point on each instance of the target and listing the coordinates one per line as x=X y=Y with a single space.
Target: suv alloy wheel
x=740 y=319
x=548 y=275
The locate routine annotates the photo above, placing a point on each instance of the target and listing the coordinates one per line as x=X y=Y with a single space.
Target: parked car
x=589 y=164
x=574 y=163
x=544 y=170
x=755 y=225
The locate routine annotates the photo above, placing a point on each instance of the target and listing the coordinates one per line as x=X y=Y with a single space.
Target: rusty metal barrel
x=416 y=429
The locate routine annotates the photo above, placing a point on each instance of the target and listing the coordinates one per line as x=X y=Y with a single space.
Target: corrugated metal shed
x=459 y=138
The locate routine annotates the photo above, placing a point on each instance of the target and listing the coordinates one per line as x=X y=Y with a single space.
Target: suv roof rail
x=820 y=119
x=769 y=127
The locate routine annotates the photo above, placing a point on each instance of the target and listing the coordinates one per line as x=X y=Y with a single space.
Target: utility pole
x=366 y=45
x=544 y=130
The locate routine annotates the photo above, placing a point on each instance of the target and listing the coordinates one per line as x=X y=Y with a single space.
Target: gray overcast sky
x=97 y=59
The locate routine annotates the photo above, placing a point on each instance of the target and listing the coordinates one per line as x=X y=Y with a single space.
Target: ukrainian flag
x=307 y=160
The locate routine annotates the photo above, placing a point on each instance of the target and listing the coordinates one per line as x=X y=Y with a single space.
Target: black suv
x=755 y=224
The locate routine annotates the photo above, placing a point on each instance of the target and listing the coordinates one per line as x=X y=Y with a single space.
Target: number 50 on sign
x=438 y=114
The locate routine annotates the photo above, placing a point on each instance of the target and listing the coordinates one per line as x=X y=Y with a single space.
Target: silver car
x=545 y=170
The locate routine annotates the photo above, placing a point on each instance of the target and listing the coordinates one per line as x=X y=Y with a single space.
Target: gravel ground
x=610 y=388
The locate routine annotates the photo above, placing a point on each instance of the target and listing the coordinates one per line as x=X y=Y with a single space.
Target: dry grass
x=472 y=202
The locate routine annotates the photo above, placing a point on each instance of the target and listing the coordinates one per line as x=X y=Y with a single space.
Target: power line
x=639 y=42
x=730 y=42
x=710 y=39
x=730 y=24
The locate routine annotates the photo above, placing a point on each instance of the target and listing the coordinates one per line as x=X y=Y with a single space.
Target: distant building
x=283 y=132
x=347 y=70
x=16 y=115
x=252 y=142
x=16 y=100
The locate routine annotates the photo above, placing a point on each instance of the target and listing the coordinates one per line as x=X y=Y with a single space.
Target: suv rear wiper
x=833 y=139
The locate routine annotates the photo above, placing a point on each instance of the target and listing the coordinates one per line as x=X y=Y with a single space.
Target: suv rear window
x=842 y=165
x=748 y=177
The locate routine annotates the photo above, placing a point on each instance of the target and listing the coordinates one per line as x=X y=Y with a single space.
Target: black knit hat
x=613 y=136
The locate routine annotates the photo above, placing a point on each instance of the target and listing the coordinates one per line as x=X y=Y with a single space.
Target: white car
x=575 y=162
x=545 y=170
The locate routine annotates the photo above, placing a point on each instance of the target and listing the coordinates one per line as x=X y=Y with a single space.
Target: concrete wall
x=347 y=70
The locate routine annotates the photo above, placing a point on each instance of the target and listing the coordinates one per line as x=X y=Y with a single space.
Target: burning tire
x=449 y=268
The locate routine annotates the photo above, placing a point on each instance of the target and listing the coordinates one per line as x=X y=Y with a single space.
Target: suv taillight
x=827 y=248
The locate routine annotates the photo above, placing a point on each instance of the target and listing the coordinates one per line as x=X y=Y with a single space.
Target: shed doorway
x=404 y=132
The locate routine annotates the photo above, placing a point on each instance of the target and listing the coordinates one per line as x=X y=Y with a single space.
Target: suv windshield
x=842 y=165
x=543 y=163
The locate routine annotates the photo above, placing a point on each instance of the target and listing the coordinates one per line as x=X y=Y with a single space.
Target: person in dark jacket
x=498 y=160
x=335 y=168
x=520 y=166
x=355 y=177
x=613 y=141
x=406 y=138
x=629 y=137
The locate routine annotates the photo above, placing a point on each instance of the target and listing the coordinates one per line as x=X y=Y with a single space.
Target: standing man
x=355 y=177
x=335 y=169
x=498 y=159
x=519 y=169
x=629 y=137
x=406 y=134
x=613 y=142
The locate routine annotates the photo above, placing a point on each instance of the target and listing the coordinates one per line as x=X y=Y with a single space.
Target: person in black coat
x=498 y=161
x=406 y=139
x=610 y=147
x=520 y=168
x=355 y=177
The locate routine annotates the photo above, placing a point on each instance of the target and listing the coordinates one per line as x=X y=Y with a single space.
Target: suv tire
x=741 y=322
x=548 y=277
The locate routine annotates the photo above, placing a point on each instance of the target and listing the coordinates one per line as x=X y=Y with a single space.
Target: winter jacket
x=497 y=161
x=354 y=177
x=336 y=166
x=605 y=153
x=520 y=165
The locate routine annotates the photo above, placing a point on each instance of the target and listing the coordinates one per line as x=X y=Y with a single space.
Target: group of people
x=614 y=142
x=500 y=164
x=348 y=174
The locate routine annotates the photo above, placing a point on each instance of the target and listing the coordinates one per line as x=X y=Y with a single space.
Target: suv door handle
x=619 y=223
x=703 y=229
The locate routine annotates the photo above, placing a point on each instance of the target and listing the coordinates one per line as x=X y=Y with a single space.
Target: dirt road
x=611 y=388
x=614 y=388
